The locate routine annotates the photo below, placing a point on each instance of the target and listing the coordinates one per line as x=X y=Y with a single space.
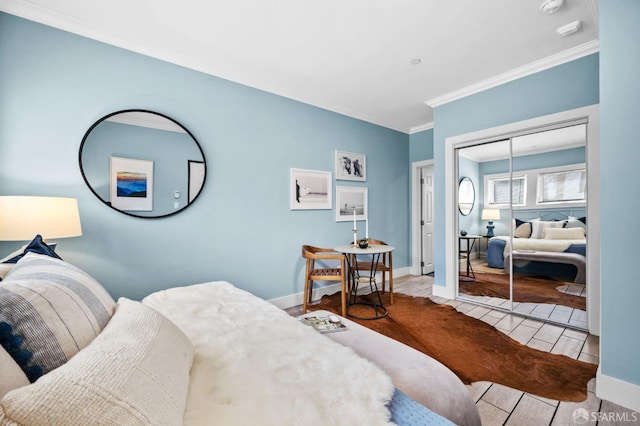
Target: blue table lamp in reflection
x=490 y=215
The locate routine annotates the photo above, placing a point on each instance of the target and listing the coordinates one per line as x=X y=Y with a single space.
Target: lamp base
x=490 y=229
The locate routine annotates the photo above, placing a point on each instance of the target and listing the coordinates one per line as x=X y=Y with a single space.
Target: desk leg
x=379 y=310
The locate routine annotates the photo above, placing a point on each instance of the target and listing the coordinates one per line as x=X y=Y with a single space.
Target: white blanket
x=538 y=244
x=255 y=364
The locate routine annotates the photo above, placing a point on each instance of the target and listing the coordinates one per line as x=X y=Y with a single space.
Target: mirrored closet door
x=522 y=244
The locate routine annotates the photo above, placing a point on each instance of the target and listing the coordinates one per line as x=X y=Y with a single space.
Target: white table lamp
x=22 y=218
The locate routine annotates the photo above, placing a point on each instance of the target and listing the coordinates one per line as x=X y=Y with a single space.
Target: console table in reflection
x=466 y=244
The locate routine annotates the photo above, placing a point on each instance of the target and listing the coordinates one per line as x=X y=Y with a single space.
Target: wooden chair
x=385 y=266
x=314 y=273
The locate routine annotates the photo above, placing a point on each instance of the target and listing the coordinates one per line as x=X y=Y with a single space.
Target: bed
x=560 y=246
x=201 y=354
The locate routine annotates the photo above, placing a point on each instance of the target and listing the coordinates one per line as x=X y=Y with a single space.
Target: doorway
x=422 y=218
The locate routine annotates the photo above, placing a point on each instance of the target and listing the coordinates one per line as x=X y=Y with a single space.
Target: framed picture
x=350 y=199
x=131 y=184
x=351 y=166
x=310 y=190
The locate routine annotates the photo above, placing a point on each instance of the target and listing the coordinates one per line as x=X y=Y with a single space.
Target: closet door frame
x=461 y=296
x=588 y=115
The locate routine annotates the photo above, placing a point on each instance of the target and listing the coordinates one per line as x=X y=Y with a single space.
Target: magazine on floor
x=325 y=323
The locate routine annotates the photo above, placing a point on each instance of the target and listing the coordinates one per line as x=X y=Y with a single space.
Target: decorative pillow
x=564 y=234
x=521 y=229
x=11 y=375
x=6 y=267
x=576 y=222
x=135 y=372
x=538 y=227
x=37 y=245
x=54 y=309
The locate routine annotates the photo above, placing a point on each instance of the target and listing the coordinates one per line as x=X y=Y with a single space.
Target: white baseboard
x=296 y=299
x=618 y=391
x=448 y=292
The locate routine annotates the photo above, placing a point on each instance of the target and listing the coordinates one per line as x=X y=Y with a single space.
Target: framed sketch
x=351 y=166
x=131 y=184
x=310 y=190
x=350 y=199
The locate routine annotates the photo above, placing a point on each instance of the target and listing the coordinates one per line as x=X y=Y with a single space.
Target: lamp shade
x=22 y=218
x=490 y=214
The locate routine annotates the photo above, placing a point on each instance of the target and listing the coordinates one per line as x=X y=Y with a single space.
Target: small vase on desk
x=363 y=243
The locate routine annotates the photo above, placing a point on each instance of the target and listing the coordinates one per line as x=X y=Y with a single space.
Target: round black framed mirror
x=466 y=196
x=142 y=163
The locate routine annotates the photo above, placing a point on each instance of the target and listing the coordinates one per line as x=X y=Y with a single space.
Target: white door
x=426 y=219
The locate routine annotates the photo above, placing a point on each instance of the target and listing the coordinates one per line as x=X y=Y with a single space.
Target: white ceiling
x=352 y=57
x=532 y=143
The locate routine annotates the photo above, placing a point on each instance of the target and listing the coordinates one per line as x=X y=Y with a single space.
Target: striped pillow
x=538 y=227
x=54 y=308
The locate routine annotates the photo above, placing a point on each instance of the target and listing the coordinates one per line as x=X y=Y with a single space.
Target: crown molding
x=593 y=7
x=421 y=128
x=516 y=73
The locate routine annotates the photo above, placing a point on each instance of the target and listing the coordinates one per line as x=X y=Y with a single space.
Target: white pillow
x=11 y=375
x=576 y=222
x=538 y=227
x=6 y=267
x=135 y=372
x=564 y=234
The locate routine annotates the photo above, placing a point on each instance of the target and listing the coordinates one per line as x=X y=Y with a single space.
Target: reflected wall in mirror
x=142 y=163
x=535 y=265
x=466 y=196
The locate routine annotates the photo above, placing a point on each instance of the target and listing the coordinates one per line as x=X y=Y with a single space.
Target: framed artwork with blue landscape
x=131 y=184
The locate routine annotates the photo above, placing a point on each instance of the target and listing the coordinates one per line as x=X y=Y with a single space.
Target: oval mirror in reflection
x=466 y=196
x=142 y=163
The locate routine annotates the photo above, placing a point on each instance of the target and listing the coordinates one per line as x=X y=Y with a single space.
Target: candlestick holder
x=355 y=236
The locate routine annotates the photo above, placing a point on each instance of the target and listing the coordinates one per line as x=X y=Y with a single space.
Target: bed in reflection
x=555 y=248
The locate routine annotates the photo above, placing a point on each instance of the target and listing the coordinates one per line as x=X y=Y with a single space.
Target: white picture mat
x=350 y=166
x=310 y=189
x=349 y=198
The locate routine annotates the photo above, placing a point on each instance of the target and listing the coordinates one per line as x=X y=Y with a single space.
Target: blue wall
x=536 y=161
x=55 y=85
x=471 y=222
x=530 y=162
x=421 y=146
x=619 y=178
x=567 y=86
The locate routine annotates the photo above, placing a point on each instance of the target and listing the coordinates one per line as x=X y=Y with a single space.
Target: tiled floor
x=501 y=405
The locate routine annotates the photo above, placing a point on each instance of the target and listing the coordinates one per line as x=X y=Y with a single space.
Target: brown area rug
x=533 y=289
x=474 y=350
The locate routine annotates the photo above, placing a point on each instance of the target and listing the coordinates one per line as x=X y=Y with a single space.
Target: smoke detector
x=551 y=6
